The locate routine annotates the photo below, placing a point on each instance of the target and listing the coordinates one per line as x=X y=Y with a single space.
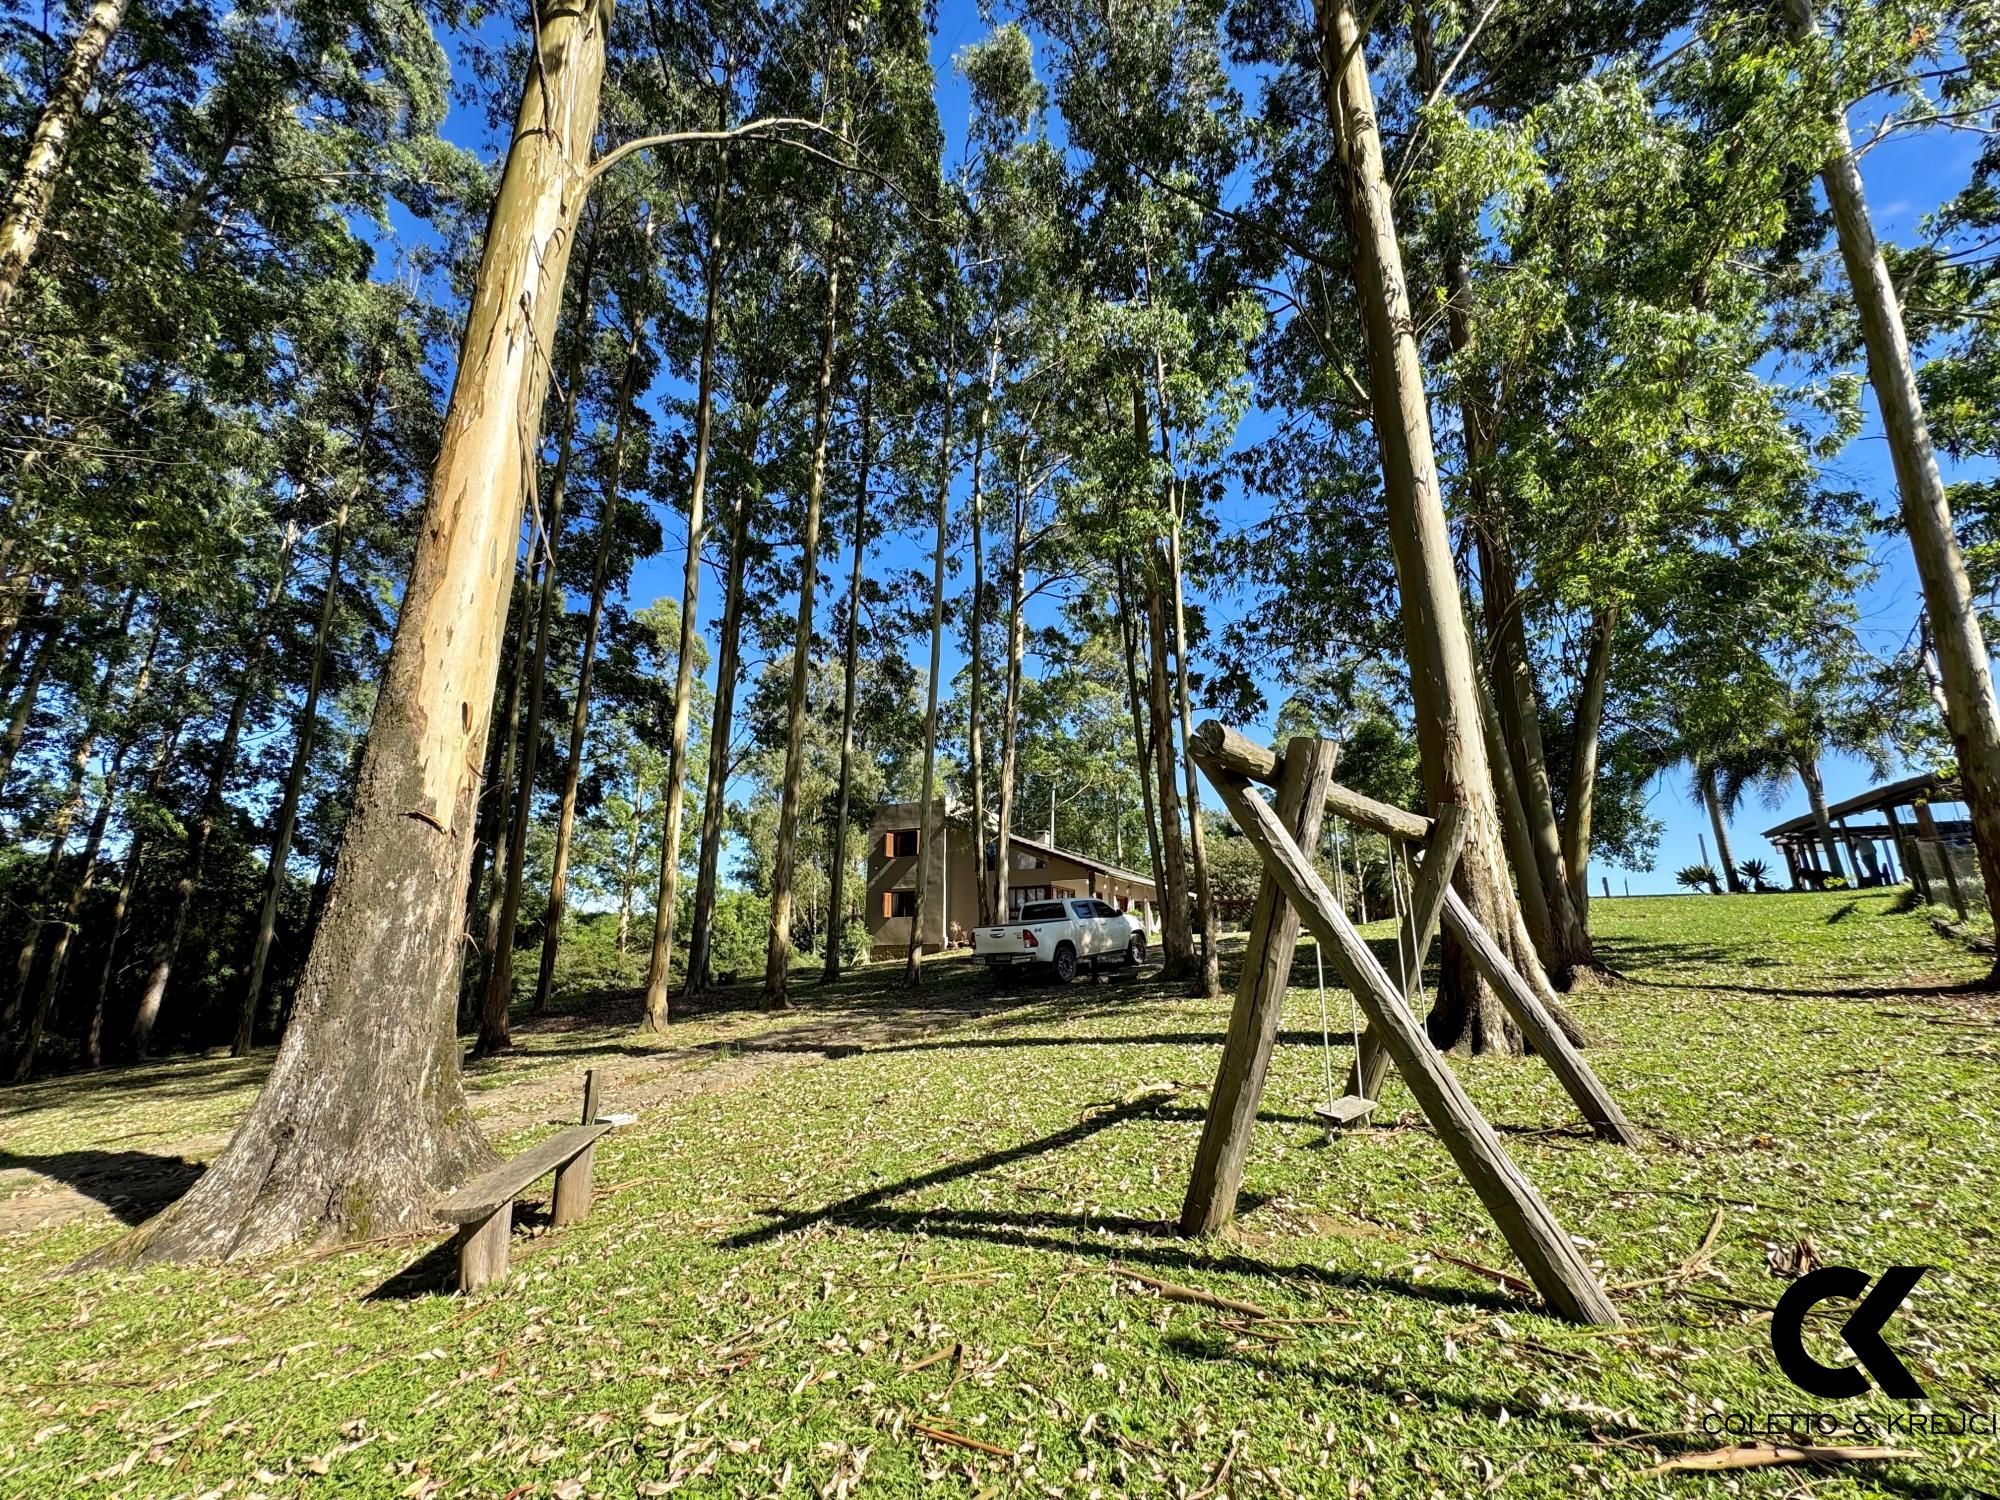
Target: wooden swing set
x=1291 y=893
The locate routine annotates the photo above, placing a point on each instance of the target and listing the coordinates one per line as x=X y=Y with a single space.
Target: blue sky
x=1907 y=176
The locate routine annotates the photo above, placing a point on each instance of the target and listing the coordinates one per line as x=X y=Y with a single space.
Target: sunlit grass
x=788 y=1275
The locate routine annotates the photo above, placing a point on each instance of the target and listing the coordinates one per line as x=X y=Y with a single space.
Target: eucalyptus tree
x=364 y=1112
x=366 y=425
x=28 y=207
x=886 y=103
x=1881 y=49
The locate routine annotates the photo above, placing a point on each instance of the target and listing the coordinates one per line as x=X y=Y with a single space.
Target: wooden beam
x=1215 y=743
x=1539 y=1242
x=1210 y=1204
x=1380 y=816
x=1537 y=1025
x=1434 y=872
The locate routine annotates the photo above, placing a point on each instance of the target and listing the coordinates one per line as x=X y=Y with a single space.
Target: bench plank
x=479 y=1198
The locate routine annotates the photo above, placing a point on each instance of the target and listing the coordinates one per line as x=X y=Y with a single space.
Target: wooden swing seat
x=1344 y=1110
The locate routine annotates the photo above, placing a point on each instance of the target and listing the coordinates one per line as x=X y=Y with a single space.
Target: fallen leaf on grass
x=1794 y=1260
x=1766 y=1455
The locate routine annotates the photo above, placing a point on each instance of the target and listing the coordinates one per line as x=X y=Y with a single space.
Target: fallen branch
x=950 y=1351
x=1696 y=1259
x=1764 y=1456
x=1174 y=1292
x=1507 y=1279
x=959 y=1440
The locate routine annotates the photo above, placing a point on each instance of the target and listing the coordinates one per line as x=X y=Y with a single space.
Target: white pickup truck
x=1061 y=934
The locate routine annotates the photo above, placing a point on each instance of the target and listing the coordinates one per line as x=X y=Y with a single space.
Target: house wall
x=949 y=894
x=951 y=899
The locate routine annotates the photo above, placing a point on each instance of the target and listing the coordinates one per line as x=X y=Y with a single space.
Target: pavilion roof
x=1929 y=787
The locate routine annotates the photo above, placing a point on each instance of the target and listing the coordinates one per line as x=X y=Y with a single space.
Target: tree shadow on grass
x=134 y=1185
x=1117 y=1039
x=177 y=1078
x=1060 y=1233
x=1966 y=987
x=435 y=1272
x=1308 y=1362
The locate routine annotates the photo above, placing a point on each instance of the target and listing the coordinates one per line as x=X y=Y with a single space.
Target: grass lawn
x=808 y=1259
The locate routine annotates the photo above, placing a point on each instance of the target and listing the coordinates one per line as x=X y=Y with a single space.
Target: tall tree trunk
x=836 y=899
x=1514 y=822
x=93 y=844
x=628 y=869
x=497 y=818
x=1128 y=632
x=1583 y=755
x=1010 y=708
x=1211 y=924
x=1972 y=714
x=56 y=831
x=166 y=951
x=729 y=635
x=363 y=1116
x=579 y=719
x=288 y=808
x=1177 y=960
x=927 y=856
x=1450 y=739
x=778 y=951
x=1517 y=705
x=1553 y=924
x=24 y=703
x=1806 y=759
x=28 y=211
x=668 y=909
x=1712 y=800
x=975 y=729
x=493 y=1033
x=122 y=903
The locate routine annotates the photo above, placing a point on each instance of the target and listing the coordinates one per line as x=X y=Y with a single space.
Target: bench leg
x=482 y=1249
x=573 y=1188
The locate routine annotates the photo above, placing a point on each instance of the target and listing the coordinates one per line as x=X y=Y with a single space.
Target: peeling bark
x=363 y=1116
x=28 y=211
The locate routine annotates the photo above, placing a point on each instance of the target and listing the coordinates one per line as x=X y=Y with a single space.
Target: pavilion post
x=1912 y=870
x=1927 y=832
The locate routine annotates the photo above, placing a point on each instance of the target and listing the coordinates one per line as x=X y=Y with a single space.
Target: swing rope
x=1404 y=884
x=1319 y=962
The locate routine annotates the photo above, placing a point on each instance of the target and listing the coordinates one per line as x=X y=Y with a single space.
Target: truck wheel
x=1135 y=952
x=1065 y=964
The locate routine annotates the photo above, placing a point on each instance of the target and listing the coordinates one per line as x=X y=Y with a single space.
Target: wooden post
x=1546 y=1252
x=1537 y=1025
x=1440 y=861
x=1913 y=870
x=1927 y=832
x=482 y=1249
x=576 y=1178
x=1210 y=1204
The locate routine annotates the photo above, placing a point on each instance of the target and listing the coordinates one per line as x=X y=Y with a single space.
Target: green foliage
x=1699 y=877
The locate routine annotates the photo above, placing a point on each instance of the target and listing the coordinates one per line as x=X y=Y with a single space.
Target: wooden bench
x=484 y=1208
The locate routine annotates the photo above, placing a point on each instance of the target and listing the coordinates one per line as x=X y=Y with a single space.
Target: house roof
x=1930 y=787
x=1042 y=846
